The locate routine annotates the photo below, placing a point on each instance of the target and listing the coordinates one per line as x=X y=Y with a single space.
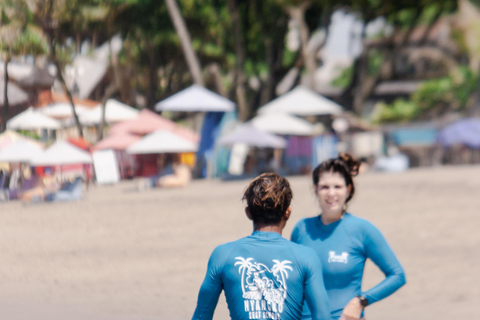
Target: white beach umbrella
x=61 y=153
x=303 y=102
x=32 y=120
x=162 y=141
x=282 y=123
x=115 y=111
x=250 y=135
x=20 y=151
x=195 y=98
x=63 y=110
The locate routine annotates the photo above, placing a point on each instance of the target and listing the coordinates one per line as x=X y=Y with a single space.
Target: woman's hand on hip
x=352 y=310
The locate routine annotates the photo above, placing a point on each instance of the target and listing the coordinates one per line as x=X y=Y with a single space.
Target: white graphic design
x=264 y=290
x=343 y=258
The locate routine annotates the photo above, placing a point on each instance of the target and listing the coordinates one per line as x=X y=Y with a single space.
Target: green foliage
x=433 y=98
x=375 y=60
x=289 y=58
x=453 y=91
x=344 y=79
x=400 y=110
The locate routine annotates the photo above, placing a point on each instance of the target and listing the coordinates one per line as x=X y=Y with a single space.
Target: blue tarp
x=207 y=141
x=323 y=148
x=465 y=131
x=414 y=136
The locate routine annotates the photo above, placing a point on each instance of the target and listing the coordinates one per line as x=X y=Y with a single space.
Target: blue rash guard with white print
x=343 y=248
x=264 y=276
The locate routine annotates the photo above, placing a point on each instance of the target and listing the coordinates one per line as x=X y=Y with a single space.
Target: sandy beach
x=122 y=254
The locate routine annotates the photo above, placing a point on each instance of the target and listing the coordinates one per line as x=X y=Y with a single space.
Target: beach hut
x=147 y=150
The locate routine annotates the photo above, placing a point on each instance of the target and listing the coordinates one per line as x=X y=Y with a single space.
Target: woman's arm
x=378 y=250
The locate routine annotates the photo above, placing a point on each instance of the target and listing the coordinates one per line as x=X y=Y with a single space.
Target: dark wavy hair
x=345 y=164
x=268 y=197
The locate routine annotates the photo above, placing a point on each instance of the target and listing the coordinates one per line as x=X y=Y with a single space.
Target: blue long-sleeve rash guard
x=343 y=247
x=264 y=276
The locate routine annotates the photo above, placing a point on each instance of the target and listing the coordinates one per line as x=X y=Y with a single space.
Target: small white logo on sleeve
x=342 y=258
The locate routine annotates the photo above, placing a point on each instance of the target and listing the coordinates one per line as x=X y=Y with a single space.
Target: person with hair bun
x=343 y=243
x=264 y=276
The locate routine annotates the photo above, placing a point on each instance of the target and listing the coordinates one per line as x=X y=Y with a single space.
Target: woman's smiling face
x=332 y=192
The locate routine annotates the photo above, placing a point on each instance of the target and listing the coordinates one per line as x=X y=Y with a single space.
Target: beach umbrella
x=162 y=142
x=465 y=131
x=115 y=111
x=62 y=153
x=32 y=120
x=119 y=141
x=20 y=151
x=62 y=110
x=8 y=137
x=250 y=135
x=195 y=98
x=283 y=123
x=303 y=102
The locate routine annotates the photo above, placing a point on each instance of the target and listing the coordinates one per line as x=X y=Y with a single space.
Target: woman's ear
x=349 y=188
x=248 y=214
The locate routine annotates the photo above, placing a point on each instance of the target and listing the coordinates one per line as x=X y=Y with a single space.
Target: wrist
x=363 y=301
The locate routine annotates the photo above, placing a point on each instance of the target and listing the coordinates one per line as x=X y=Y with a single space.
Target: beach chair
x=69 y=192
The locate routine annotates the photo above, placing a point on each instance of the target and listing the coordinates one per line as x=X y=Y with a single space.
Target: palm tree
x=18 y=37
x=245 y=264
x=185 y=40
x=281 y=268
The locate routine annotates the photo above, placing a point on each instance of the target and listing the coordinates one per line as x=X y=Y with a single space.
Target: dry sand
x=120 y=254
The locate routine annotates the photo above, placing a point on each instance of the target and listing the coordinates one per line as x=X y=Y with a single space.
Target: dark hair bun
x=352 y=164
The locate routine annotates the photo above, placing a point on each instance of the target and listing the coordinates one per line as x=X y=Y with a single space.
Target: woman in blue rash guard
x=264 y=276
x=344 y=242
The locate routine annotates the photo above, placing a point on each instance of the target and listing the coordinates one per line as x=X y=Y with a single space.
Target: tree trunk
x=111 y=90
x=114 y=86
x=70 y=98
x=186 y=42
x=5 y=97
x=152 y=72
x=47 y=26
x=298 y=14
x=240 y=79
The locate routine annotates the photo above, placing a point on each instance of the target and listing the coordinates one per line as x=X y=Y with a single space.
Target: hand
x=352 y=310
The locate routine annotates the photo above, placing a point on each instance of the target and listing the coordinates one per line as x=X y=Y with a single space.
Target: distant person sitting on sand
x=40 y=187
x=264 y=275
x=180 y=177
